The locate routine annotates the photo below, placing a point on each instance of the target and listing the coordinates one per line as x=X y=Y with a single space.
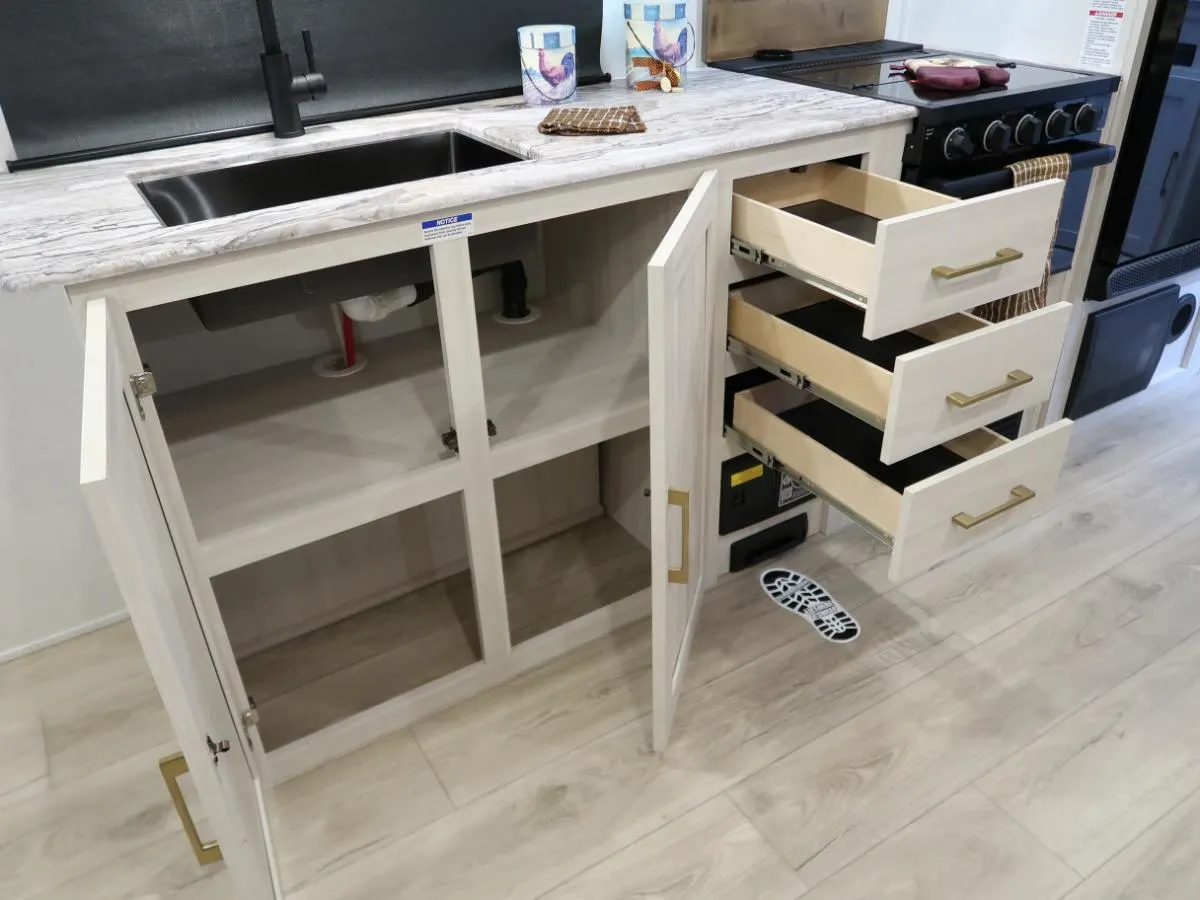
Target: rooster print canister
x=548 y=71
x=659 y=44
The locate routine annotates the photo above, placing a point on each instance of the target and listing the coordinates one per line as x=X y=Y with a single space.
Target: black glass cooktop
x=866 y=71
x=881 y=81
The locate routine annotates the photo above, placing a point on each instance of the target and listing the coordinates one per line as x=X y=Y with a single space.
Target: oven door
x=1085 y=156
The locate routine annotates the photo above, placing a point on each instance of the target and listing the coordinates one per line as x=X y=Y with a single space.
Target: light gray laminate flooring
x=1023 y=721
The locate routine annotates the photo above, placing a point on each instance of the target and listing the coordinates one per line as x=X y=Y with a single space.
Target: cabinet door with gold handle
x=173 y=768
x=117 y=478
x=682 y=500
x=679 y=305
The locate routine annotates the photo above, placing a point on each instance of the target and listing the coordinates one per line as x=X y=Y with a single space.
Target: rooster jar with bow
x=659 y=45
x=548 y=73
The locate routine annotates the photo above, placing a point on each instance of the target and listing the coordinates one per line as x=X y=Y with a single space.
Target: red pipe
x=350 y=350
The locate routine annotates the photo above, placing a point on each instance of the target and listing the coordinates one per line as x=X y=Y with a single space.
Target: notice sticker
x=448 y=227
x=1106 y=19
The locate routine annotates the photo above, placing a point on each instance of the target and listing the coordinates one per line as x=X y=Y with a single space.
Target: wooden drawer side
x=830 y=368
x=882 y=198
x=842 y=481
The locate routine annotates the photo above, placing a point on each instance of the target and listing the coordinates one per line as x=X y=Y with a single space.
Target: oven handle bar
x=1084 y=155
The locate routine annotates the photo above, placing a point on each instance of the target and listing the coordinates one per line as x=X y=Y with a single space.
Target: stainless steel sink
x=239 y=189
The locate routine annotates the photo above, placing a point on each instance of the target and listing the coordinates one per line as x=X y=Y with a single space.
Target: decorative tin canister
x=659 y=44
x=548 y=70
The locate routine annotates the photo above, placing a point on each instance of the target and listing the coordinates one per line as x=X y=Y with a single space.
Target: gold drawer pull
x=1007 y=255
x=173 y=768
x=1020 y=494
x=1013 y=380
x=683 y=500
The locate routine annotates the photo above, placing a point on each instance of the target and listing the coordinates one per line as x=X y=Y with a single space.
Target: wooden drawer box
x=922 y=386
x=929 y=507
x=904 y=254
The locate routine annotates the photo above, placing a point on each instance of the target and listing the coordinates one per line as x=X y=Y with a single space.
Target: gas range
x=955 y=133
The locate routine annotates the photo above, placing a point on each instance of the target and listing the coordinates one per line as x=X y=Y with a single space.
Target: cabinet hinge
x=450 y=438
x=143 y=385
x=216 y=748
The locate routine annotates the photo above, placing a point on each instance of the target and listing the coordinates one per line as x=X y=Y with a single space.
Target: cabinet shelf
x=560 y=391
x=279 y=458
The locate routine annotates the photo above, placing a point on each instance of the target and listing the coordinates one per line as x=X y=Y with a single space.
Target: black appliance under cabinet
x=1122 y=346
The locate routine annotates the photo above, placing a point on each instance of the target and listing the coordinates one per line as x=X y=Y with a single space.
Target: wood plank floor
x=1020 y=722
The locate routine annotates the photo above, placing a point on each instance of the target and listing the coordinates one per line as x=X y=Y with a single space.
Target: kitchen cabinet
x=358 y=553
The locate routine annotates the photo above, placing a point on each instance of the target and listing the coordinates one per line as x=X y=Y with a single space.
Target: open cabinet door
x=129 y=520
x=680 y=351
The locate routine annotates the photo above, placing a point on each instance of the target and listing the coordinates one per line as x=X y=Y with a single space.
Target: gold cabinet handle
x=1020 y=494
x=1007 y=255
x=1013 y=380
x=683 y=500
x=173 y=768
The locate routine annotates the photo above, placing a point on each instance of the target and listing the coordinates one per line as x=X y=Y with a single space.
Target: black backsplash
x=76 y=75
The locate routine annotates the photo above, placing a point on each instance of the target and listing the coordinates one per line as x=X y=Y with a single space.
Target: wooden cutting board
x=736 y=28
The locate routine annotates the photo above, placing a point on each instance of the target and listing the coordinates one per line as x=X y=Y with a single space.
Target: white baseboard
x=50 y=640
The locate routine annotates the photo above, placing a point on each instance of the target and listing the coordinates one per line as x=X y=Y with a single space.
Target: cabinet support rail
x=767 y=458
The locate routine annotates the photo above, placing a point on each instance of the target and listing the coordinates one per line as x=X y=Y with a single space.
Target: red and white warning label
x=1106 y=20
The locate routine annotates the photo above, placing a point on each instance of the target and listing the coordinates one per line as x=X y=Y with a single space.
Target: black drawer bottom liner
x=847 y=221
x=842 y=324
x=860 y=444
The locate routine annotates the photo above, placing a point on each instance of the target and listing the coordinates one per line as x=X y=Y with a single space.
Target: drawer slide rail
x=767 y=458
x=761 y=257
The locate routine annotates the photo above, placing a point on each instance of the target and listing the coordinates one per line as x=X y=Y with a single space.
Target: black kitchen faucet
x=285 y=91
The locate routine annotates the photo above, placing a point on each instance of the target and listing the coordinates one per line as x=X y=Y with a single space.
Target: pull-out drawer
x=929 y=507
x=922 y=386
x=904 y=254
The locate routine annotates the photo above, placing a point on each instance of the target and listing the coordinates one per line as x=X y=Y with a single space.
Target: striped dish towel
x=1029 y=171
x=608 y=120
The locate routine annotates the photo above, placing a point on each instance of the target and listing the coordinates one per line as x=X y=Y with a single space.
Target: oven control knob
x=1029 y=131
x=1058 y=126
x=1087 y=117
x=959 y=145
x=997 y=138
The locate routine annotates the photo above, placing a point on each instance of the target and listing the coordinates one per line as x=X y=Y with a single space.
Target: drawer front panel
x=973 y=503
x=924 y=261
x=990 y=373
x=997 y=486
x=904 y=254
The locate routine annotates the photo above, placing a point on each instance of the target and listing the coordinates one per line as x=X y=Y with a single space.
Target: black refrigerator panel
x=1122 y=346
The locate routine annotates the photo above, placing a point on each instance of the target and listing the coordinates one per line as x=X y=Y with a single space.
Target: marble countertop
x=75 y=224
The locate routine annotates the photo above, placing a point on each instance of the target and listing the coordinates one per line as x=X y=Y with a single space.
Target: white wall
x=1045 y=31
x=54 y=581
